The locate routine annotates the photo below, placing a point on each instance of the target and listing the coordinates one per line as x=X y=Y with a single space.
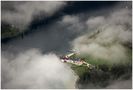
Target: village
x=76 y=61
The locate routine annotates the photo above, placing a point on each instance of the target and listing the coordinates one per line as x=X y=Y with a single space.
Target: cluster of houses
x=77 y=61
x=69 y=59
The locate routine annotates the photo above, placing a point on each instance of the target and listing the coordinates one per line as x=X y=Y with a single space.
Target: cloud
x=21 y=14
x=112 y=32
x=32 y=70
x=72 y=23
x=120 y=84
x=70 y=19
x=95 y=22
